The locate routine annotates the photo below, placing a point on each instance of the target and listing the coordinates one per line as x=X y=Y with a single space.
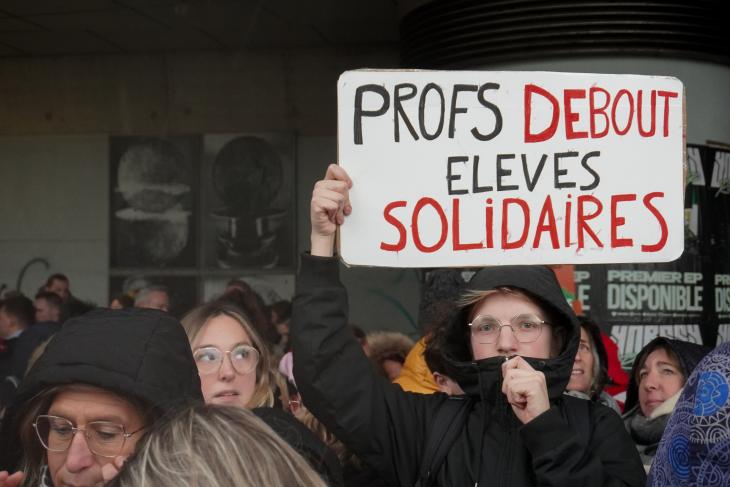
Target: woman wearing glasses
x=510 y=347
x=233 y=362
x=103 y=380
x=234 y=366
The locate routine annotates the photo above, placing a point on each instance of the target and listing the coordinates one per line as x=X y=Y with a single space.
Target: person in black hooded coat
x=654 y=388
x=517 y=431
x=137 y=357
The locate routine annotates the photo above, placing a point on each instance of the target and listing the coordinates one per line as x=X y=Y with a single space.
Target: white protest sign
x=474 y=168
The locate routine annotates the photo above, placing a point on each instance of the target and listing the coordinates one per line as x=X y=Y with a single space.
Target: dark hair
x=52 y=298
x=600 y=372
x=56 y=277
x=433 y=356
x=124 y=299
x=20 y=308
x=282 y=310
x=358 y=333
x=250 y=302
x=652 y=347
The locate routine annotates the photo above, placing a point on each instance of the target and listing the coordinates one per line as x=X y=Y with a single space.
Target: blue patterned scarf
x=695 y=447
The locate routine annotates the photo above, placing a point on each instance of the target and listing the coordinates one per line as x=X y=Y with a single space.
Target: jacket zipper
x=504 y=410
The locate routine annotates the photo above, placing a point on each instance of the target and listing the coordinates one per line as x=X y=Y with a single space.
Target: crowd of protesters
x=507 y=386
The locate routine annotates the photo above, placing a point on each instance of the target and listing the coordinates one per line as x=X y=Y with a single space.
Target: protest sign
x=473 y=168
x=687 y=299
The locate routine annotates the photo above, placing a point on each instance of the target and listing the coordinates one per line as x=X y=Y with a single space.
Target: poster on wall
x=719 y=197
x=460 y=168
x=248 y=201
x=635 y=303
x=153 y=201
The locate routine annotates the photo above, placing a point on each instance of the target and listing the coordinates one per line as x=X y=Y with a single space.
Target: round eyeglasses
x=103 y=438
x=526 y=328
x=209 y=359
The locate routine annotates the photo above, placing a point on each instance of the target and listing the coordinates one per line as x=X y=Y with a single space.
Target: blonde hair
x=34 y=455
x=315 y=426
x=215 y=445
x=195 y=321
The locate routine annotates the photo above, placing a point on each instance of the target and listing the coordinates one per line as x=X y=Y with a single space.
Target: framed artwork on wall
x=153 y=207
x=194 y=209
x=248 y=216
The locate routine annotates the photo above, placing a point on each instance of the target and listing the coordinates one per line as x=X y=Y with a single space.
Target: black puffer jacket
x=389 y=428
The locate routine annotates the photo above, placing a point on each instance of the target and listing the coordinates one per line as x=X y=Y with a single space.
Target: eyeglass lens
x=103 y=438
x=526 y=328
x=243 y=358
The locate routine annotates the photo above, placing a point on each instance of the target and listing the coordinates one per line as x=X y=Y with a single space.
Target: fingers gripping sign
x=525 y=389
x=330 y=205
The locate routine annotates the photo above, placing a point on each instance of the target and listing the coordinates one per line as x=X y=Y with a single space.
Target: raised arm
x=377 y=420
x=330 y=205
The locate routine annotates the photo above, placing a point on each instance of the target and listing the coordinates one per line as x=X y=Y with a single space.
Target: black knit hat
x=138 y=353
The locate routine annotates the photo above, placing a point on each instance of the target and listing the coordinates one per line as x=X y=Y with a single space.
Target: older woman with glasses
x=103 y=379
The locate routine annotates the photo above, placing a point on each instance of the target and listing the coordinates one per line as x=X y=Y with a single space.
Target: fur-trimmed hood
x=388 y=345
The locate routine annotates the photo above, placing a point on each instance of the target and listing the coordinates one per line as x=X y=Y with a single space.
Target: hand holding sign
x=525 y=389
x=330 y=204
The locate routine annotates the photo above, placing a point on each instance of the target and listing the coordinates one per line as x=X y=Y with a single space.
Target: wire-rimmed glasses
x=244 y=359
x=525 y=327
x=104 y=438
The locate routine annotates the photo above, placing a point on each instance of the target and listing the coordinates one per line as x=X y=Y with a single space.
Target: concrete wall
x=54 y=205
x=56 y=114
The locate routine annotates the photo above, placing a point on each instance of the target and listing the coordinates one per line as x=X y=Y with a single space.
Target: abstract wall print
x=153 y=201
x=248 y=185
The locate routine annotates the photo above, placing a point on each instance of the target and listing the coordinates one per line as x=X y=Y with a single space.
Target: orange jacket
x=415 y=375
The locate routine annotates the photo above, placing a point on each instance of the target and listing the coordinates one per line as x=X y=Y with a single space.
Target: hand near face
x=330 y=204
x=111 y=469
x=525 y=389
x=14 y=480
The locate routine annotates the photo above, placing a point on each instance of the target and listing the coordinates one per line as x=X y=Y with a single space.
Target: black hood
x=133 y=352
x=689 y=355
x=483 y=377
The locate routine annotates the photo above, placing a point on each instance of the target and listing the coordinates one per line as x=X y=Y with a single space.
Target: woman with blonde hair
x=234 y=365
x=233 y=361
x=215 y=445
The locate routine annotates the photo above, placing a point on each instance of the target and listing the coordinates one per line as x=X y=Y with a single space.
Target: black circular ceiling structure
x=463 y=33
